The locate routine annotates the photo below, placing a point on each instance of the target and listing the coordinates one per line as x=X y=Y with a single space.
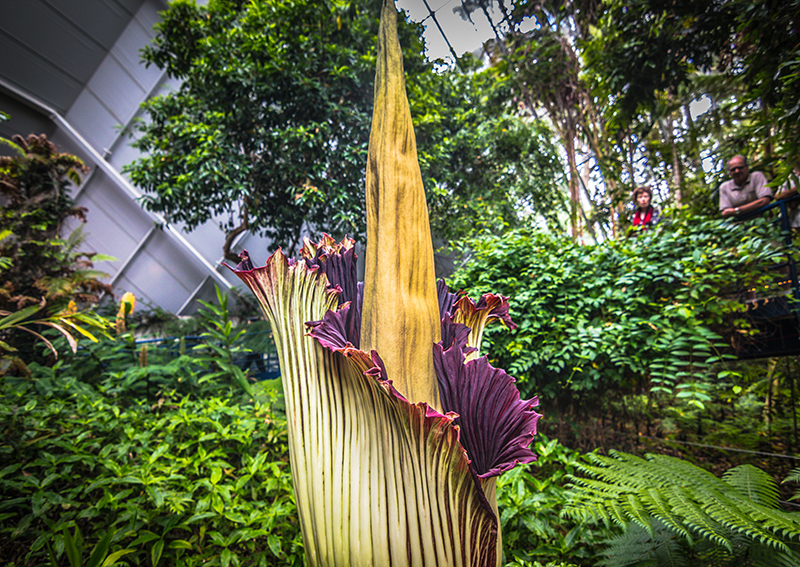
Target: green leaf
x=71 y=547
x=145 y=536
x=100 y=550
x=216 y=475
x=180 y=544
x=17 y=316
x=113 y=558
x=155 y=552
x=274 y=545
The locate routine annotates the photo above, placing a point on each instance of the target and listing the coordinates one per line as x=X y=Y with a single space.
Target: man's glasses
x=735 y=169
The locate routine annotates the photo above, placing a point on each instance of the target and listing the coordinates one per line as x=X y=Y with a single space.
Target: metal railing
x=785 y=222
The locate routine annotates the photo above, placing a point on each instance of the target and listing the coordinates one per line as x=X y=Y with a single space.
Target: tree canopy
x=619 y=81
x=268 y=130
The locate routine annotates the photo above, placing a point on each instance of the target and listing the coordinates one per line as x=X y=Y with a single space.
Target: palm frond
x=8 y=143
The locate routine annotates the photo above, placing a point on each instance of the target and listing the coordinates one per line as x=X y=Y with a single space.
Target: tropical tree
x=268 y=130
x=485 y=165
x=618 y=79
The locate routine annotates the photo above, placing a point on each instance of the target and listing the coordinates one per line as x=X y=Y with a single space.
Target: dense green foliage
x=269 y=128
x=649 y=53
x=653 y=313
x=484 y=166
x=182 y=481
x=152 y=455
x=150 y=448
x=532 y=501
x=145 y=455
x=619 y=81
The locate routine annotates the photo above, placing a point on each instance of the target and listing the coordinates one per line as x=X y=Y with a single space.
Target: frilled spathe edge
x=497 y=427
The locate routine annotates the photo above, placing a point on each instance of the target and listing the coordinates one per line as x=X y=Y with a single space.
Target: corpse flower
x=397 y=428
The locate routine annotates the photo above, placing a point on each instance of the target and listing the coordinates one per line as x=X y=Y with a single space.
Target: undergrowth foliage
x=184 y=481
x=124 y=454
x=532 y=500
x=655 y=314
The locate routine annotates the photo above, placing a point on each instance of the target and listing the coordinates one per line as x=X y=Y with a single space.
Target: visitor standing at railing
x=645 y=214
x=745 y=192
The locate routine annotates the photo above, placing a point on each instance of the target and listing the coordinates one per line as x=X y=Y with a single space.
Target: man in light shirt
x=745 y=192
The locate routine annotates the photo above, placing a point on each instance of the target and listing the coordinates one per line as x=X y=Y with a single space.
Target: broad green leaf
x=155 y=552
x=113 y=558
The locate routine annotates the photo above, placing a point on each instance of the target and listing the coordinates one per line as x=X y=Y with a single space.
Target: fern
x=794 y=476
x=660 y=508
x=694 y=516
x=642 y=549
x=737 y=522
x=753 y=483
x=723 y=521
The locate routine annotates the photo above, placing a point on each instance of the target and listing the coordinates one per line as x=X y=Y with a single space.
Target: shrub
x=179 y=481
x=647 y=314
x=532 y=500
x=37 y=266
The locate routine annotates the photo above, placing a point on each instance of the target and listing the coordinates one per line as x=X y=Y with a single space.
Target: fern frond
x=637 y=512
x=765 y=556
x=720 y=519
x=732 y=513
x=589 y=500
x=75 y=238
x=617 y=469
x=707 y=554
x=619 y=514
x=694 y=516
x=637 y=547
x=793 y=476
x=657 y=505
x=754 y=484
x=671 y=470
x=775 y=520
